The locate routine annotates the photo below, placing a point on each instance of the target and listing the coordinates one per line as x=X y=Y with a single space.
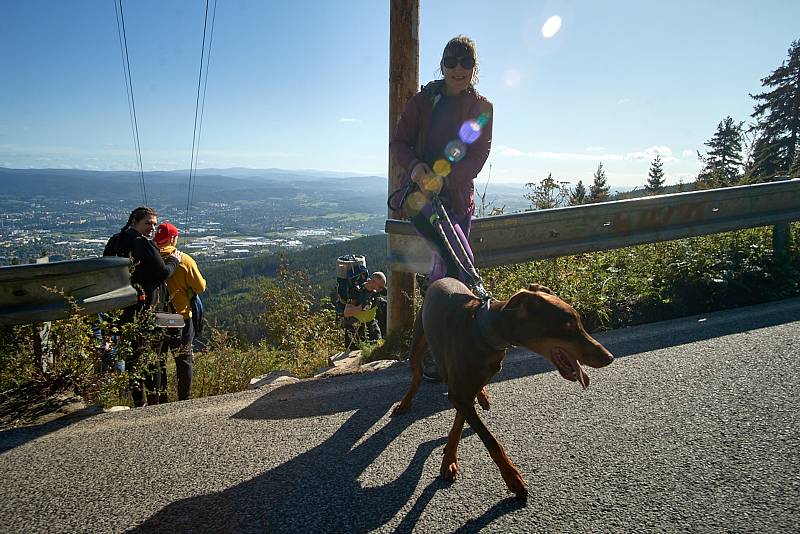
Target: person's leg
x=155 y=381
x=457 y=242
x=152 y=382
x=184 y=362
x=442 y=263
x=373 y=330
x=350 y=333
x=163 y=398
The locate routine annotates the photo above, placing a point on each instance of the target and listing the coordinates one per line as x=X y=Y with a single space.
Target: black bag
x=164 y=310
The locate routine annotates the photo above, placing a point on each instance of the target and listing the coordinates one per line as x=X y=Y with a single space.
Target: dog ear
x=523 y=304
x=543 y=289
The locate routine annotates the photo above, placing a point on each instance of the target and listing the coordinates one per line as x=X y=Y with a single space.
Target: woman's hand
x=427 y=180
x=420 y=172
x=177 y=254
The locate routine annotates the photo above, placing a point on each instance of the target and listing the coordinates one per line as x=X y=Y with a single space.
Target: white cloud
x=503 y=150
x=651 y=152
x=578 y=157
x=687 y=153
x=623 y=101
x=595 y=148
x=508 y=151
x=350 y=120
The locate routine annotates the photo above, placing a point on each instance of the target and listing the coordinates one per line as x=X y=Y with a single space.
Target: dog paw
x=517 y=486
x=449 y=470
x=401 y=408
x=483 y=399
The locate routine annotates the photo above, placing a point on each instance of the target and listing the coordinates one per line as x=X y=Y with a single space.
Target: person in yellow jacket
x=360 y=314
x=184 y=283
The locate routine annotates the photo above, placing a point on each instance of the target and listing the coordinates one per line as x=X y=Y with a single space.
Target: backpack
x=197 y=313
x=118 y=245
x=351 y=273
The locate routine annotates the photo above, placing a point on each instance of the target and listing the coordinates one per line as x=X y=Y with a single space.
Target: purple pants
x=461 y=226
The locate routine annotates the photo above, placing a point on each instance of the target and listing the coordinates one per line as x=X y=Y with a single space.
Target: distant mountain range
x=172 y=186
x=221 y=185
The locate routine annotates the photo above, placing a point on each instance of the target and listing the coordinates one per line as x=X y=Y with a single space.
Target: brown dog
x=469 y=341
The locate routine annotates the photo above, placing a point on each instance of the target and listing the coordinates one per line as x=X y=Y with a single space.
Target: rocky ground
x=39 y=405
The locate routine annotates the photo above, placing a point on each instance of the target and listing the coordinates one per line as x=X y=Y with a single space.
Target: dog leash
x=474 y=280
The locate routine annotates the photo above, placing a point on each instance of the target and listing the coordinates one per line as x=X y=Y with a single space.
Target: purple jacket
x=408 y=144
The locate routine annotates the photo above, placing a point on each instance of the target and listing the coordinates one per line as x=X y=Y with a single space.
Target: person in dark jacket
x=442 y=141
x=149 y=271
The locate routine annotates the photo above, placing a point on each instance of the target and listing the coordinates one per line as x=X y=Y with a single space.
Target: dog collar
x=486 y=330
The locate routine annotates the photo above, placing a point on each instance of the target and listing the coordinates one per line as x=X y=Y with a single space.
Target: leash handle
x=406 y=190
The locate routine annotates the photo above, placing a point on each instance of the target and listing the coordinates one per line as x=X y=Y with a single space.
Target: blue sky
x=304 y=84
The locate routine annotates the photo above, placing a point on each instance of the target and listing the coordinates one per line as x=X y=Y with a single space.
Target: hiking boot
x=430 y=370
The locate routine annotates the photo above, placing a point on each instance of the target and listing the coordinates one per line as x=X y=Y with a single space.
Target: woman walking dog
x=442 y=141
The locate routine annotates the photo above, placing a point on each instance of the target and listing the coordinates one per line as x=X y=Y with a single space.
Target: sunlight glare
x=551 y=26
x=441 y=167
x=415 y=202
x=455 y=151
x=470 y=131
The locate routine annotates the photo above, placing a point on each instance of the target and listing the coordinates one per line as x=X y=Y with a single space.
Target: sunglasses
x=451 y=61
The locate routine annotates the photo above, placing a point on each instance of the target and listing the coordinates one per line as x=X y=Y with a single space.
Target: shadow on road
x=14 y=437
x=320 y=489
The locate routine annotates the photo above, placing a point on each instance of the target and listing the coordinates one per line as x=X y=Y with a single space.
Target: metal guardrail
x=37 y=293
x=519 y=237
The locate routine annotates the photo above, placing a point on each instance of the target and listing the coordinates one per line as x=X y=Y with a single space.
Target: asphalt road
x=694 y=428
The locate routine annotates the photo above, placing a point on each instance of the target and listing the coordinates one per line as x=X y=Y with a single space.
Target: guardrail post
x=403 y=84
x=780 y=240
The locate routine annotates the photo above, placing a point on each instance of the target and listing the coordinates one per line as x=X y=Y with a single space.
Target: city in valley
x=71 y=214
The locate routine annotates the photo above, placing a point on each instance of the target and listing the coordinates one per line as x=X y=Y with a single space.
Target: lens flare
x=442 y=167
x=551 y=26
x=470 y=131
x=415 y=201
x=455 y=151
x=432 y=184
x=482 y=119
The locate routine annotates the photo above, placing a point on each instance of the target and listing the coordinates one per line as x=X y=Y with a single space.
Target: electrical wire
x=123 y=45
x=199 y=109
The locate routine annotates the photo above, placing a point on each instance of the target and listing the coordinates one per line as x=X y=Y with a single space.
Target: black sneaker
x=430 y=371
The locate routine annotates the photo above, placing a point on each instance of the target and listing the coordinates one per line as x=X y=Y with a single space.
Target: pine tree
x=578 y=195
x=794 y=172
x=723 y=161
x=777 y=112
x=547 y=194
x=598 y=191
x=655 y=178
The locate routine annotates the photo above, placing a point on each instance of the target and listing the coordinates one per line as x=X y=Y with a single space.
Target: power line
x=198 y=109
x=123 y=44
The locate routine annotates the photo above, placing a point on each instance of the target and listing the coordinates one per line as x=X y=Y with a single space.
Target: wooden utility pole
x=403 y=84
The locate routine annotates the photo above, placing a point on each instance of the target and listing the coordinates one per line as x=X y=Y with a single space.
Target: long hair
x=137 y=215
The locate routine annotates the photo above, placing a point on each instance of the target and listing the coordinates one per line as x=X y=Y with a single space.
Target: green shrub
x=306 y=334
